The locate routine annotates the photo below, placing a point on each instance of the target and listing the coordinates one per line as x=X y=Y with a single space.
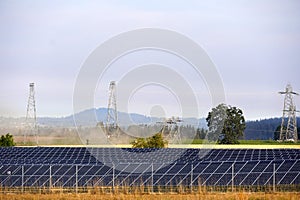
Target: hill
x=90 y=117
x=263 y=129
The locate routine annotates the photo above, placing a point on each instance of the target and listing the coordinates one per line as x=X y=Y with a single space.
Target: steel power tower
x=112 y=113
x=31 y=113
x=288 y=130
x=173 y=132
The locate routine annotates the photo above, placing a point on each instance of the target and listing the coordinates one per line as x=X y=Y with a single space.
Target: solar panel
x=35 y=166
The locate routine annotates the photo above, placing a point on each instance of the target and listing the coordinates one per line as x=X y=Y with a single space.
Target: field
x=208 y=196
x=74 y=140
x=48 y=140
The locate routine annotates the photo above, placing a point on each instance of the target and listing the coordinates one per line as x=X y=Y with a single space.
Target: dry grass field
x=208 y=196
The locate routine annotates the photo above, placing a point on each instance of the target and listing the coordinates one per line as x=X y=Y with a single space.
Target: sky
x=254 y=46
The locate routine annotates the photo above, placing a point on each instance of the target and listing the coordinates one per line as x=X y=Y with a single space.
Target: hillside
x=263 y=129
x=91 y=117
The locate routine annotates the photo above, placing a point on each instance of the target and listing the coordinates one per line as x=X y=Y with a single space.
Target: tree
x=139 y=143
x=200 y=133
x=7 y=140
x=215 y=121
x=277 y=133
x=226 y=124
x=156 y=141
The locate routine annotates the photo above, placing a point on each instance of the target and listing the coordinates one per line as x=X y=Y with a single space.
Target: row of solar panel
x=130 y=168
x=213 y=152
x=211 y=173
x=204 y=167
x=66 y=155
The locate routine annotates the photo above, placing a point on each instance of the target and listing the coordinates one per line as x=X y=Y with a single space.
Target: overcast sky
x=255 y=46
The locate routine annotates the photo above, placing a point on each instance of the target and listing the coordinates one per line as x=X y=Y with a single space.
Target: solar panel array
x=70 y=167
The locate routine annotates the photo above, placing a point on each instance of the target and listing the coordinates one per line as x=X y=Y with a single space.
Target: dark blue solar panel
x=33 y=166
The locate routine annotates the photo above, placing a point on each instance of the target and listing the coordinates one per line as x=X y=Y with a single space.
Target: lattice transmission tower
x=172 y=130
x=112 y=113
x=31 y=123
x=288 y=130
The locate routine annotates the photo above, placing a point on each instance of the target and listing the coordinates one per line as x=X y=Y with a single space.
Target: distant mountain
x=91 y=117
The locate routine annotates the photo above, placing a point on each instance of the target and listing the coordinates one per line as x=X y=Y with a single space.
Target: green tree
x=215 y=121
x=7 y=140
x=277 y=133
x=200 y=133
x=156 y=141
x=226 y=124
x=139 y=143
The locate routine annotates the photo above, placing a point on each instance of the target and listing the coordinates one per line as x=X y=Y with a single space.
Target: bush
x=156 y=141
x=7 y=140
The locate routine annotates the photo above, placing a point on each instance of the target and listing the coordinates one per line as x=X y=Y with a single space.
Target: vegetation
x=265 y=142
x=215 y=121
x=200 y=195
x=124 y=192
x=226 y=124
x=245 y=142
x=264 y=129
x=7 y=140
x=277 y=133
x=156 y=141
x=200 y=134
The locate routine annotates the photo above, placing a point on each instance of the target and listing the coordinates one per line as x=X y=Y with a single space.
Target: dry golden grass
x=209 y=196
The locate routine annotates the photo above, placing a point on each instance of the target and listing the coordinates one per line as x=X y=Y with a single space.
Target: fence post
x=50 y=178
x=76 y=178
x=113 y=178
x=22 y=179
x=274 y=185
x=232 y=177
x=152 y=177
x=191 y=178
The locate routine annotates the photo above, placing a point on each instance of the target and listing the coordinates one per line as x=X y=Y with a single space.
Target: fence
x=272 y=174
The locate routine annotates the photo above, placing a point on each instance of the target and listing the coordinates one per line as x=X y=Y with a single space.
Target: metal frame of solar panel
x=70 y=167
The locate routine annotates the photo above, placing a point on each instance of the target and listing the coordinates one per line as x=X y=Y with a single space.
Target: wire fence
x=189 y=177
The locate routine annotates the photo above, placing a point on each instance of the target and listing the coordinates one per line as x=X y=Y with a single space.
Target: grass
x=75 y=140
x=176 y=192
x=47 y=140
x=208 y=196
x=246 y=142
x=266 y=142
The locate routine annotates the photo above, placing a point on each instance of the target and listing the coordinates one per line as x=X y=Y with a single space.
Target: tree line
x=264 y=129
